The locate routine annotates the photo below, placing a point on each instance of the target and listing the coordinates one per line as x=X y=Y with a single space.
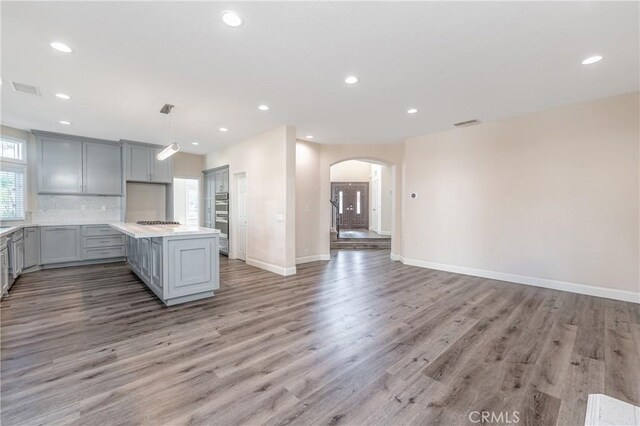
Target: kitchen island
x=178 y=263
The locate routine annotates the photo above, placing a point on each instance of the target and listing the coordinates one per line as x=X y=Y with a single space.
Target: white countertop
x=16 y=226
x=151 y=231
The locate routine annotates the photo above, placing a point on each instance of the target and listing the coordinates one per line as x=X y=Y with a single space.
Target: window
x=13 y=157
x=340 y=202
x=358 y=202
x=12 y=192
x=186 y=201
x=13 y=150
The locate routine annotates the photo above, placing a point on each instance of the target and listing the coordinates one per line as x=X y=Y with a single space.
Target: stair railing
x=335 y=220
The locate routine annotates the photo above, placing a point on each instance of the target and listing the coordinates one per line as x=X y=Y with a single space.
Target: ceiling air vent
x=25 y=88
x=466 y=123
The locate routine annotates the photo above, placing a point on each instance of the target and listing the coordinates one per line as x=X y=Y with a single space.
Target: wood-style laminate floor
x=358 y=340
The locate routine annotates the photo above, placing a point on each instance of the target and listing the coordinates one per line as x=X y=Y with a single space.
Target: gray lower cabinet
x=60 y=244
x=145 y=259
x=102 y=168
x=4 y=268
x=31 y=247
x=59 y=165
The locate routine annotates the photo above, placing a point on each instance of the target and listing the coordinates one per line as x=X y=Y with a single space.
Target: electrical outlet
x=103 y=208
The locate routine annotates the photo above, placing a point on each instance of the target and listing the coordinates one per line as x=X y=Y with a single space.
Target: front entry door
x=353 y=204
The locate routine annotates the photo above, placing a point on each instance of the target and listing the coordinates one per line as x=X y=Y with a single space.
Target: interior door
x=241 y=188
x=353 y=204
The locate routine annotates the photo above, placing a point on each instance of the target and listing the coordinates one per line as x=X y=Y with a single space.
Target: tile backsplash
x=62 y=208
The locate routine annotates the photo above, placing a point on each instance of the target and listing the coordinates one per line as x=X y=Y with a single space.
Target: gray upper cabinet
x=73 y=165
x=162 y=171
x=143 y=166
x=138 y=161
x=59 y=166
x=102 y=169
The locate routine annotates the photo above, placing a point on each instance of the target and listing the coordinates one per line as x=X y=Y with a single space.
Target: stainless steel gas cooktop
x=157 y=222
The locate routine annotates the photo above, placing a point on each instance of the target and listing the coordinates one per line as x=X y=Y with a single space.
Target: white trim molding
x=590 y=290
x=314 y=258
x=285 y=272
x=396 y=257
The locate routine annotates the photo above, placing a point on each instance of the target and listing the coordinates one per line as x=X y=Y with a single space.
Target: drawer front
x=103 y=253
x=107 y=241
x=98 y=230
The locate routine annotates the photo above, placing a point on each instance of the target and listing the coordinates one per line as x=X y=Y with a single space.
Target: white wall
x=268 y=160
x=350 y=171
x=552 y=195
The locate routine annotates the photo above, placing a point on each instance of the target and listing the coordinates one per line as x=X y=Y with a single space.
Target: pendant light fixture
x=173 y=146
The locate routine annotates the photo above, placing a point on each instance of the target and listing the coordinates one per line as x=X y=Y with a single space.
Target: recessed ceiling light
x=263 y=108
x=223 y=129
x=63 y=96
x=61 y=47
x=309 y=136
x=66 y=123
x=195 y=143
x=412 y=111
x=231 y=18
x=352 y=79
x=592 y=60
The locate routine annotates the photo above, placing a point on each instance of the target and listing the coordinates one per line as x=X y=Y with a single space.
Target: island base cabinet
x=192 y=266
x=176 y=269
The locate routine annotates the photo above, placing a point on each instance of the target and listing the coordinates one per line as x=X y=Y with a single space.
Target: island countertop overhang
x=153 y=231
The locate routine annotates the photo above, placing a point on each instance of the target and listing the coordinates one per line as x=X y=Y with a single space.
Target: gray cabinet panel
x=108 y=241
x=31 y=247
x=103 y=253
x=190 y=266
x=138 y=160
x=156 y=266
x=145 y=259
x=102 y=169
x=60 y=244
x=162 y=171
x=98 y=230
x=60 y=166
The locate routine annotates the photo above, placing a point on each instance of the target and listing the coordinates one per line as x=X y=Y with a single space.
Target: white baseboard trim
x=590 y=290
x=314 y=258
x=285 y=272
x=395 y=257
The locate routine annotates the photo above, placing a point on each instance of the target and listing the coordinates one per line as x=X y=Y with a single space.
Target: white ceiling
x=452 y=61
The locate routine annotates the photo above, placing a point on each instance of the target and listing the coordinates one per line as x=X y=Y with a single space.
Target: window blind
x=12 y=189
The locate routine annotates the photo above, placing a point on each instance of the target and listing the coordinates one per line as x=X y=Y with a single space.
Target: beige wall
x=307 y=200
x=268 y=160
x=145 y=201
x=350 y=171
x=552 y=195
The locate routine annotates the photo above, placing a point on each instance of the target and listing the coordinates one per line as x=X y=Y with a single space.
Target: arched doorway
x=361 y=196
